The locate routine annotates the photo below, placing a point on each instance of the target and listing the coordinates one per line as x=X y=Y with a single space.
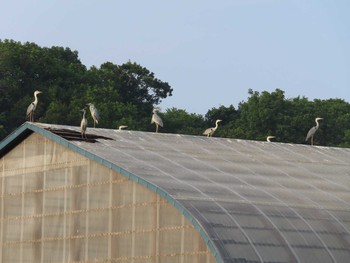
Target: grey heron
x=83 y=124
x=94 y=113
x=122 y=127
x=32 y=106
x=156 y=119
x=268 y=139
x=210 y=131
x=313 y=130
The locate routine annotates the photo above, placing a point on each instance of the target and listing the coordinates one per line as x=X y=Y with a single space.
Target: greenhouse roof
x=251 y=201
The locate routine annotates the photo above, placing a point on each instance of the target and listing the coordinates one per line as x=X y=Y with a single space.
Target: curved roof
x=251 y=201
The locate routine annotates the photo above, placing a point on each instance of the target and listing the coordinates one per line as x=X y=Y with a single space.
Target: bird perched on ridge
x=313 y=130
x=156 y=119
x=83 y=124
x=122 y=127
x=210 y=131
x=268 y=139
x=94 y=113
x=32 y=106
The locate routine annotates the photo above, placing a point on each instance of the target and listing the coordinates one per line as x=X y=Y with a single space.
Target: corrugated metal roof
x=251 y=201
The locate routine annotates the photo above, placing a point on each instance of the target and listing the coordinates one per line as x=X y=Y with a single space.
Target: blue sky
x=210 y=52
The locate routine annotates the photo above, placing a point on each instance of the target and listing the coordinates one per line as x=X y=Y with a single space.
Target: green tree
x=228 y=115
x=123 y=94
x=126 y=94
x=262 y=115
x=346 y=140
x=179 y=121
x=27 y=67
x=129 y=86
x=335 y=123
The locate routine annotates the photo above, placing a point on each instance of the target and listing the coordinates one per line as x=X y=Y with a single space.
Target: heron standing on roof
x=83 y=124
x=122 y=127
x=32 y=106
x=210 y=131
x=312 y=131
x=156 y=119
x=94 y=113
x=268 y=139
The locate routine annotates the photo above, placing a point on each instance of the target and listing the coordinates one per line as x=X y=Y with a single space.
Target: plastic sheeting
x=58 y=206
x=256 y=201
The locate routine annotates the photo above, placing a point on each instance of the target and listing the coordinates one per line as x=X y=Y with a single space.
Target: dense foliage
x=125 y=95
x=288 y=119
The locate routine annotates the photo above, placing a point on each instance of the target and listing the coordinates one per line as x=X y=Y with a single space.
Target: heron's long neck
x=35 y=99
x=84 y=114
x=216 y=125
x=317 y=124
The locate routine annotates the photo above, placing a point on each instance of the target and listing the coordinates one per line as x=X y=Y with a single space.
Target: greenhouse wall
x=59 y=206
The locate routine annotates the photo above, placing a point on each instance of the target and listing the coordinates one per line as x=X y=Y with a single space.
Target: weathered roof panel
x=251 y=201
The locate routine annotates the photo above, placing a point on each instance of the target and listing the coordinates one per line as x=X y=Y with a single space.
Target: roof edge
x=15 y=138
x=28 y=128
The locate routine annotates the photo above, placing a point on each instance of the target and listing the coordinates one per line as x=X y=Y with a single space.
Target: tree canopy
x=125 y=95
